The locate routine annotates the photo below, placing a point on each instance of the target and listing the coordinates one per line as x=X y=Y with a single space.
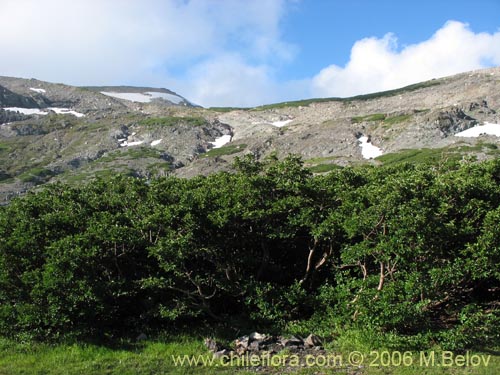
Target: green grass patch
x=4 y=147
x=396 y=119
x=226 y=109
x=36 y=175
x=372 y=117
x=322 y=164
x=438 y=155
x=173 y=121
x=161 y=356
x=225 y=150
x=126 y=358
x=490 y=146
x=424 y=155
x=323 y=168
x=320 y=159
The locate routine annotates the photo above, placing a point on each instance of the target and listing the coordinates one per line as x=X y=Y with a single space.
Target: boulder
x=292 y=341
x=312 y=341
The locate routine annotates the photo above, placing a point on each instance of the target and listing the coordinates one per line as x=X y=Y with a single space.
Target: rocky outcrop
x=454 y=121
x=11 y=99
x=481 y=107
x=10 y=116
x=257 y=343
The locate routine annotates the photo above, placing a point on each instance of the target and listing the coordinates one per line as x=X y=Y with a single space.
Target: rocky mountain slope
x=53 y=132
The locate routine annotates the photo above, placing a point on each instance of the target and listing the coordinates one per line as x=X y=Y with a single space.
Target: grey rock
x=254 y=346
x=312 y=341
x=256 y=336
x=292 y=341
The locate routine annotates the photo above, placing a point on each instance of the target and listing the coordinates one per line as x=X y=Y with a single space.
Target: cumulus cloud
x=230 y=80
x=215 y=53
x=141 y=42
x=378 y=64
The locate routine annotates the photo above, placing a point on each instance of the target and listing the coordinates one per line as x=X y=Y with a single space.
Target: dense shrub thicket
x=408 y=249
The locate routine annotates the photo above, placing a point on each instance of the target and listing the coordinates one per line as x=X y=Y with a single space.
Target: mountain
x=54 y=132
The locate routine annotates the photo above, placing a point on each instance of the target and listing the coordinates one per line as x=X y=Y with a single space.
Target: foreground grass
x=156 y=357
x=150 y=357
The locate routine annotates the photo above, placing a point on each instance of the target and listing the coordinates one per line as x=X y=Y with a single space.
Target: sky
x=245 y=53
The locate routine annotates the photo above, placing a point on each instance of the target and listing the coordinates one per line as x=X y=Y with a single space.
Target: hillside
x=54 y=132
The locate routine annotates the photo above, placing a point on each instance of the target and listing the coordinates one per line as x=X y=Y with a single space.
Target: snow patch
x=476 y=131
x=221 y=141
x=66 y=111
x=157 y=142
x=135 y=143
x=27 y=111
x=37 y=111
x=368 y=150
x=41 y=91
x=144 y=97
x=279 y=124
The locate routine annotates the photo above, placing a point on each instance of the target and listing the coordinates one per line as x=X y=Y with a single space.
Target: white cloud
x=214 y=53
x=136 y=42
x=377 y=64
x=229 y=80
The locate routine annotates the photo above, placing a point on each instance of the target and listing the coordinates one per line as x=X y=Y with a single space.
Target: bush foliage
x=403 y=249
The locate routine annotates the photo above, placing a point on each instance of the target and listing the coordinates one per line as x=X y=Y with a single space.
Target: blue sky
x=248 y=52
x=326 y=30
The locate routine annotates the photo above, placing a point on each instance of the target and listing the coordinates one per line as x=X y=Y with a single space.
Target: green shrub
x=408 y=252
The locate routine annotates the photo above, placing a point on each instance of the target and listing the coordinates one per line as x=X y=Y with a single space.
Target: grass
x=320 y=159
x=4 y=147
x=78 y=177
x=437 y=155
x=151 y=357
x=323 y=168
x=322 y=164
x=225 y=150
x=158 y=356
x=226 y=109
x=396 y=119
x=173 y=121
x=387 y=120
x=37 y=174
x=372 y=117
x=419 y=156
